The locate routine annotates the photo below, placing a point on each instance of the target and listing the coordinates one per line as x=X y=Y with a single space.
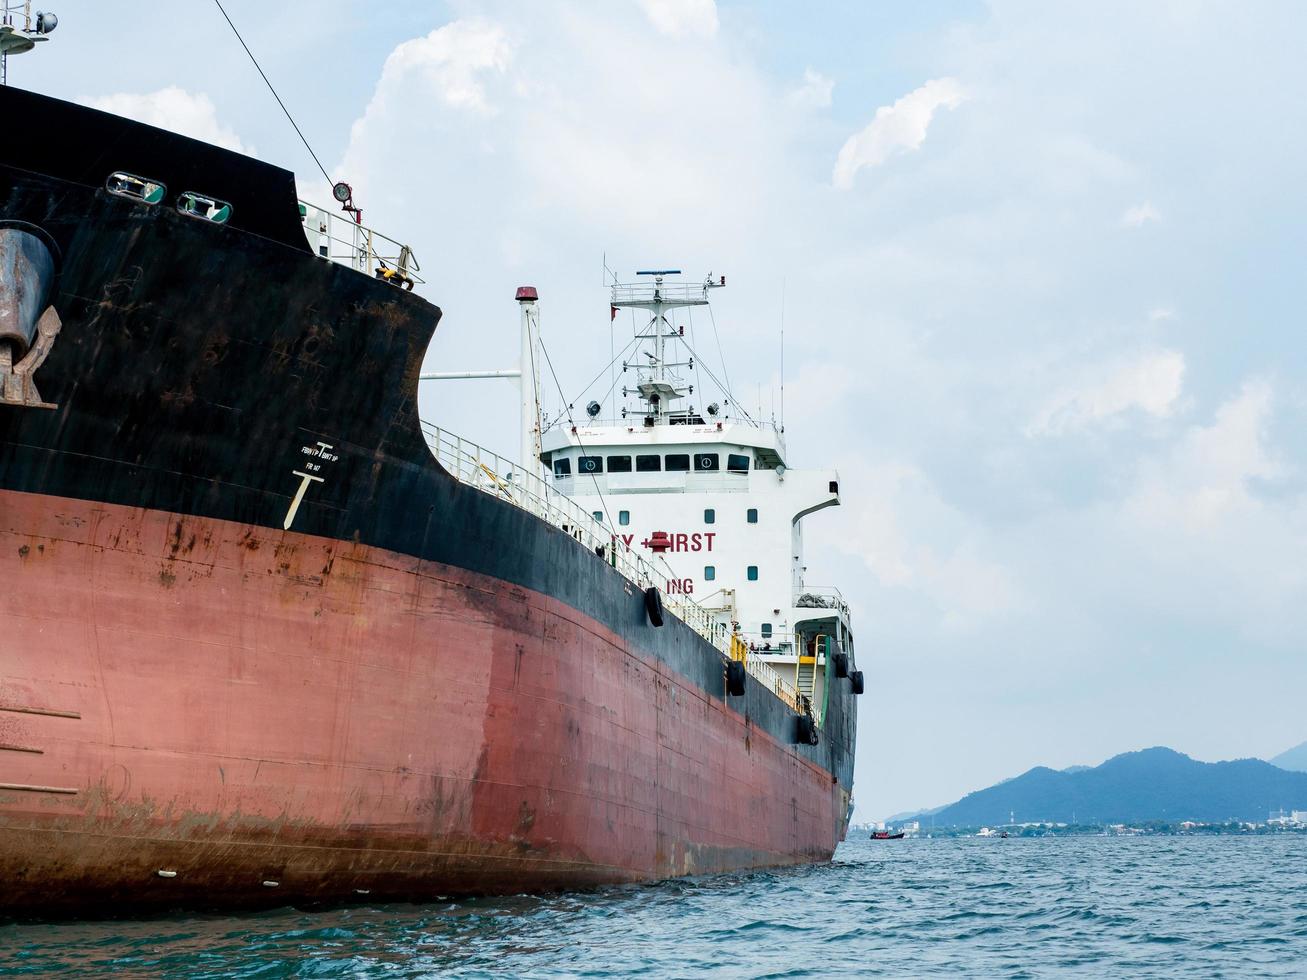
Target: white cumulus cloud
x=453 y=61
x=682 y=17
x=1150 y=382
x=896 y=128
x=175 y=109
x=1140 y=215
x=1207 y=476
x=813 y=93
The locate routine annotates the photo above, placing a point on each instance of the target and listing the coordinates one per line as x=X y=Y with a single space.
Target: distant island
x=1294 y=759
x=1157 y=786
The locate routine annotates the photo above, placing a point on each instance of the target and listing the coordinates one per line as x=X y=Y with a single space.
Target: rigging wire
x=579 y=396
x=722 y=357
x=689 y=313
x=602 y=502
x=274 y=92
x=782 y=354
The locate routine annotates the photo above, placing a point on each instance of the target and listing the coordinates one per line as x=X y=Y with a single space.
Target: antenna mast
x=20 y=31
x=657 y=386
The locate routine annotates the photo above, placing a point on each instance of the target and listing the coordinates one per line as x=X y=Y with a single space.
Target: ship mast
x=20 y=31
x=658 y=386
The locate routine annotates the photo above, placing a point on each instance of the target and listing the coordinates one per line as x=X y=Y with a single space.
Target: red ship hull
x=193 y=709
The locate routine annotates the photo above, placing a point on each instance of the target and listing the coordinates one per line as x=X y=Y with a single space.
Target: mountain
x=1294 y=758
x=1153 y=784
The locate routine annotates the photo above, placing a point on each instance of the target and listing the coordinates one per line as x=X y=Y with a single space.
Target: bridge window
x=751 y=515
x=649 y=464
x=706 y=462
x=709 y=572
x=710 y=516
x=766 y=631
x=590 y=464
x=562 y=468
x=753 y=573
x=619 y=464
x=137 y=188
x=678 y=462
x=624 y=517
x=200 y=206
x=598 y=515
x=735 y=463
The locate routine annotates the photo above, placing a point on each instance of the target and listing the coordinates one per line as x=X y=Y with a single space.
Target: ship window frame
x=218 y=207
x=731 y=464
x=710 y=515
x=751 y=573
x=582 y=460
x=673 y=463
x=648 y=463
x=145 y=182
x=701 y=461
x=624 y=518
x=751 y=515
x=563 y=468
x=766 y=631
x=623 y=464
x=709 y=573
x=598 y=515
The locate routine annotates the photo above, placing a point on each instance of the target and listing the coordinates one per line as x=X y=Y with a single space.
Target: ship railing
x=340 y=239
x=499 y=477
x=821 y=597
x=670 y=293
x=772 y=680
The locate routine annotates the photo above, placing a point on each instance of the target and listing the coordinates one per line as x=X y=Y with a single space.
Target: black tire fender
x=805 y=730
x=735 y=674
x=841 y=665
x=855 y=679
x=653 y=605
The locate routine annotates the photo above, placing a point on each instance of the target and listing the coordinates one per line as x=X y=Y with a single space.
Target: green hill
x=1153 y=784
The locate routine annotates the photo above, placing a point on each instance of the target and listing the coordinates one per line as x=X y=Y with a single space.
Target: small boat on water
x=886 y=835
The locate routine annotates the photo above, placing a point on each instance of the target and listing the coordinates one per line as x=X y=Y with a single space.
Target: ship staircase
x=805 y=676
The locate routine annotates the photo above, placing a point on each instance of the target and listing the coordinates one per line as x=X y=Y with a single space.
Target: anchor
x=28 y=324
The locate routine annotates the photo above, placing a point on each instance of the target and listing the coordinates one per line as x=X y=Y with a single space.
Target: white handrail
x=341 y=240
x=491 y=473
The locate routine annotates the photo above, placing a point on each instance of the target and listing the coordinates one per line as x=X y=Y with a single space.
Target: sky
x=1038 y=267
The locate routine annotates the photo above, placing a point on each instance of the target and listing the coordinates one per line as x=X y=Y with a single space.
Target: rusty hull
x=234 y=706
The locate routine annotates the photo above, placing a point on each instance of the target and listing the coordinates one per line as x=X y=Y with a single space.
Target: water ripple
x=1145 y=907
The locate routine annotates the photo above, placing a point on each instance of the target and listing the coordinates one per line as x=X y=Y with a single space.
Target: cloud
x=1150 y=382
x=452 y=61
x=175 y=109
x=915 y=544
x=1159 y=313
x=814 y=93
x=1140 y=215
x=682 y=17
x=895 y=128
x=1211 y=470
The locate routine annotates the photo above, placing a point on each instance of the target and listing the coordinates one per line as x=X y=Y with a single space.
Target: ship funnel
x=26 y=276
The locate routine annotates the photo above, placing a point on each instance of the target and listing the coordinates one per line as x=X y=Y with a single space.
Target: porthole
x=136 y=188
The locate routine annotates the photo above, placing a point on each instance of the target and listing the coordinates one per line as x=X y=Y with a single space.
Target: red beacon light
x=526 y=294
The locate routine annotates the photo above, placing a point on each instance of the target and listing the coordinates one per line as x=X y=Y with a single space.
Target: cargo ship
x=268 y=638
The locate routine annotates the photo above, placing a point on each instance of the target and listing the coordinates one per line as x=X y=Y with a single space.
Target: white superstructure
x=705 y=493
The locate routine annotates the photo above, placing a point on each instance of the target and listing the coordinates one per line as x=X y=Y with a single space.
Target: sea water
x=1085 y=906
